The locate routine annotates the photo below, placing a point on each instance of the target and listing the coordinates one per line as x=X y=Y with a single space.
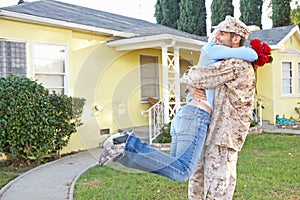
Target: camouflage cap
x=233 y=25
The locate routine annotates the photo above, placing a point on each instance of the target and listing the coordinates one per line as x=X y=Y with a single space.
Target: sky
x=142 y=9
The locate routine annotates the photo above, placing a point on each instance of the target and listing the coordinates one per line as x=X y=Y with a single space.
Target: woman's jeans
x=188 y=130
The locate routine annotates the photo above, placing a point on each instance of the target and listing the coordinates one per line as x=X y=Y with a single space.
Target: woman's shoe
x=114 y=147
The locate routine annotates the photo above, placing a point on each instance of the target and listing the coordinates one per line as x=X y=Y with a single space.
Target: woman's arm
x=220 y=52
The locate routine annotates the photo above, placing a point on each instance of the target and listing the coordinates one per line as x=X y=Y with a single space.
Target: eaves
x=156 y=41
x=63 y=24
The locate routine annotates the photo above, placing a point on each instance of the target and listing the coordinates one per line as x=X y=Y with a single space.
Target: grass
x=268 y=169
x=115 y=183
x=9 y=171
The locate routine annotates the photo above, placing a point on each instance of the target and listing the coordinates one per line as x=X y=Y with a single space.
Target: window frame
x=64 y=74
x=27 y=56
x=292 y=86
x=157 y=77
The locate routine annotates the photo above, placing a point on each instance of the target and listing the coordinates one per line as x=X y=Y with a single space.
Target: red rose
x=263 y=51
x=265 y=58
x=259 y=62
x=255 y=42
x=266 y=49
x=256 y=45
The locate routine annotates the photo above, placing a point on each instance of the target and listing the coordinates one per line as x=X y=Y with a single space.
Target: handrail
x=259 y=105
x=156 y=120
x=260 y=111
x=144 y=113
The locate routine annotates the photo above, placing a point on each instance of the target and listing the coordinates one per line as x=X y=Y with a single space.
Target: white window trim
x=293 y=78
x=27 y=52
x=66 y=74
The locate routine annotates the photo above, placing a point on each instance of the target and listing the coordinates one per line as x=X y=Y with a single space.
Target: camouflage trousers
x=215 y=176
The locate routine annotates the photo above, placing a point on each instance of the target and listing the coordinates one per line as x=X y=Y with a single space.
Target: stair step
x=141 y=131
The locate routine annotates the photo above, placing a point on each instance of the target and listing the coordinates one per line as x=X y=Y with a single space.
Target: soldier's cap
x=233 y=25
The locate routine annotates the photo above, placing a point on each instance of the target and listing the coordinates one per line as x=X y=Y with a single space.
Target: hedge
x=34 y=123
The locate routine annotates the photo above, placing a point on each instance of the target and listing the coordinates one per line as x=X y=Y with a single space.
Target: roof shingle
x=57 y=10
x=61 y=11
x=271 y=36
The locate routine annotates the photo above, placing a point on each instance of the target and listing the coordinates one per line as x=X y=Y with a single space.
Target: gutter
x=65 y=24
x=156 y=41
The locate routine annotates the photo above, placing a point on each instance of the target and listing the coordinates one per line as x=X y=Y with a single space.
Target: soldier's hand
x=198 y=94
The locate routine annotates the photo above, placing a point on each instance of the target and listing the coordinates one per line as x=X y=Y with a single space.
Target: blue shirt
x=212 y=53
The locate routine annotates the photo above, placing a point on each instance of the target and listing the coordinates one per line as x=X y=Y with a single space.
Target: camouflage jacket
x=234 y=83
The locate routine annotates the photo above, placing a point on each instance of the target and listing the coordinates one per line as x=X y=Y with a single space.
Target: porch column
x=165 y=83
x=176 y=80
x=171 y=82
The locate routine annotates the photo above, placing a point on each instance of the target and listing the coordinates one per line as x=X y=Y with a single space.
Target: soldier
x=234 y=83
x=232 y=99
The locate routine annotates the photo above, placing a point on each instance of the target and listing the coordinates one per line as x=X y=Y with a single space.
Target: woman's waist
x=201 y=104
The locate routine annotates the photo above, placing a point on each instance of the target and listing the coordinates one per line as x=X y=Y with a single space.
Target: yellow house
x=116 y=63
x=278 y=83
x=112 y=61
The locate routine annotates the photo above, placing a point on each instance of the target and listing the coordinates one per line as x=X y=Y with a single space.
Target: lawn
x=268 y=169
x=9 y=171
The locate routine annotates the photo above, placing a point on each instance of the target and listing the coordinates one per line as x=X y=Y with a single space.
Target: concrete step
x=141 y=131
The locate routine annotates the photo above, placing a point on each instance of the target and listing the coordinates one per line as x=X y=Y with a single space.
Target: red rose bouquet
x=263 y=51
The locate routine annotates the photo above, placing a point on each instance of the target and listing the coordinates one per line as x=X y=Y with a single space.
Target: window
x=149 y=77
x=12 y=58
x=287 y=78
x=49 y=63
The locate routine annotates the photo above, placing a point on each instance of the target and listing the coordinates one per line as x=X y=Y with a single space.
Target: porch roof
x=156 y=41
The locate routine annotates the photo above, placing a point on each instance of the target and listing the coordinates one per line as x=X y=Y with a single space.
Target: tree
x=281 y=13
x=251 y=12
x=167 y=12
x=220 y=9
x=158 y=12
x=295 y=15
x=192 y=17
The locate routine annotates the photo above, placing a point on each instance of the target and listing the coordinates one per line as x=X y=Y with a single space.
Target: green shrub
x=253 y=123
x=35 y=124
x=165 y=136
x=297 y=110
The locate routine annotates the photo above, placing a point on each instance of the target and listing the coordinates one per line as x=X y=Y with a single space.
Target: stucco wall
x=104 y=77
x=269 y=84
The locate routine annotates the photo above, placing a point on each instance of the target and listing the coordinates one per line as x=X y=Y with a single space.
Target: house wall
x=269 y=85
x=114 y=86
x=31 y=33
x=104 y=77
x=82 y=63
x=285 y=105
x=264 y=92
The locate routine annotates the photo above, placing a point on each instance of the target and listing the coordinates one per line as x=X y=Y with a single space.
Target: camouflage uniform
x=234 y=83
